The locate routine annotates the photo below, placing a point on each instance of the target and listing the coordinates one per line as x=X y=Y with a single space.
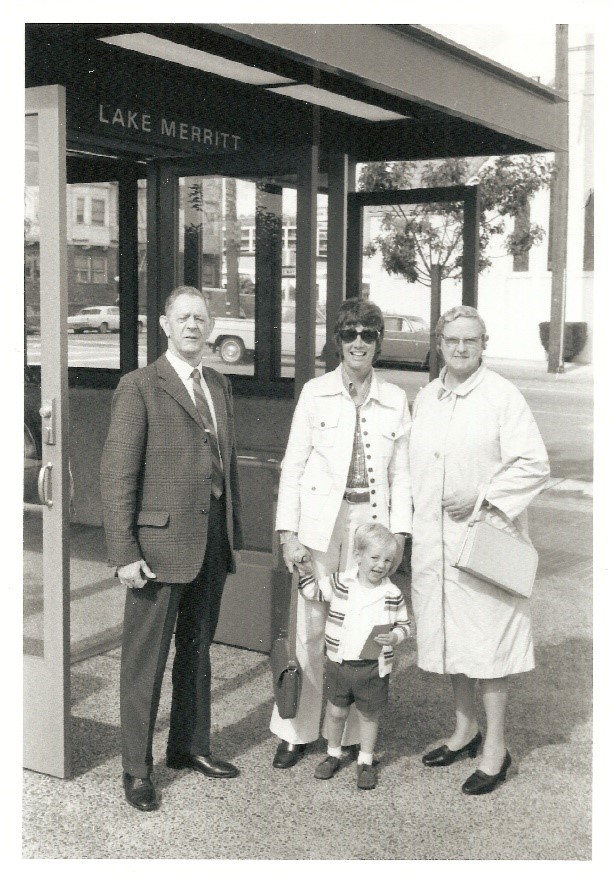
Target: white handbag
x=507 y=560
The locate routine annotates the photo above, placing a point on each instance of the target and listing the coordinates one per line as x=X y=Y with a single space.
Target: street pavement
x=542 y=812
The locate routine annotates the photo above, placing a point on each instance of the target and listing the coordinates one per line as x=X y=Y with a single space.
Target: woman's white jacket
x=318 y=455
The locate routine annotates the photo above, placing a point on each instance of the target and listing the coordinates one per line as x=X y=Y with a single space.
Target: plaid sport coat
x=156 y=472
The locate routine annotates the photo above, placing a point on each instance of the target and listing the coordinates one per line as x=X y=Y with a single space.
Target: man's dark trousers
x=149 y=621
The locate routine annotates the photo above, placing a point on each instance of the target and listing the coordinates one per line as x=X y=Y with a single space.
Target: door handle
x=44 y=485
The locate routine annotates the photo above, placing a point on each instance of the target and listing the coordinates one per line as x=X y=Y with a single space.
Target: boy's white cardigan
x=387 y=606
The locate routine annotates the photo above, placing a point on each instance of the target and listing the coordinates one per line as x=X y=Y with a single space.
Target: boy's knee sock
x=334 y=752
x=365 y=757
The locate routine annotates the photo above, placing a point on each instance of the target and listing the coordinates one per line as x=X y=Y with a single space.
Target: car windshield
x=418 y=324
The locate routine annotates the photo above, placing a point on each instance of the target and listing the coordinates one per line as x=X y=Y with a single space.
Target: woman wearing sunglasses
x=346 y=463
x=471 y=428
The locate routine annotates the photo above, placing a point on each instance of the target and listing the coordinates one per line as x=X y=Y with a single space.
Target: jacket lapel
x=173 y=385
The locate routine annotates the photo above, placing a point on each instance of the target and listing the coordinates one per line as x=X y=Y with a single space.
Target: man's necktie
x=205 y=414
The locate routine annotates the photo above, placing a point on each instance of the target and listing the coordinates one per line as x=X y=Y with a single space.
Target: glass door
x=46 y=626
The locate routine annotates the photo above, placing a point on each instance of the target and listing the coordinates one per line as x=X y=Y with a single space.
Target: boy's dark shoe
x=367 y=776
x=327 y=768
x=140 y=793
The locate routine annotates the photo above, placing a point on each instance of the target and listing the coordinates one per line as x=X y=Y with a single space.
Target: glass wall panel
x=33 y=521
x=217 y=254
x=142 y=272
x=288 y=334
x=93 y=275
x=401 y=243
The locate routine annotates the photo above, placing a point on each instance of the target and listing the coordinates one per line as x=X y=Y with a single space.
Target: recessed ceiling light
x=166 y=50
x=339 y=102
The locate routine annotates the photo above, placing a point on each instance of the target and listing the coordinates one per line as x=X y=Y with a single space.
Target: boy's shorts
x=356 y=681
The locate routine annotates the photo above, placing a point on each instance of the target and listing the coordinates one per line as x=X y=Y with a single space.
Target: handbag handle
x=478 y=508
x=293 y=615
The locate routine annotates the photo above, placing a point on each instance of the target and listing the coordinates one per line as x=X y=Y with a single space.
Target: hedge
x=575 y=338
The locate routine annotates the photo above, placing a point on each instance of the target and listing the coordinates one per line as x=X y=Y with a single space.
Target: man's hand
x=135 y=574
x=460 y=504
x=295 y=554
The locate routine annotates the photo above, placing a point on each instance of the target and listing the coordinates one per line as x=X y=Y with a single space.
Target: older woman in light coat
x=471 y=428
x=346 y=463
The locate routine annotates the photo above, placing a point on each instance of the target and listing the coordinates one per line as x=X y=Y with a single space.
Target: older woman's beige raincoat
x=482 y=432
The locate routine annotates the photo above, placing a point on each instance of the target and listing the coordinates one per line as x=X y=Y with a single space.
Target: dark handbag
x=286 y=674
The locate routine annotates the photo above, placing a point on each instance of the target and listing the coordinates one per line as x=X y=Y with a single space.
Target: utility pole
x=559 y=214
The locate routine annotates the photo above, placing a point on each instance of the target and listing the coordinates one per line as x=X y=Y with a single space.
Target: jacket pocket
x=153 y=518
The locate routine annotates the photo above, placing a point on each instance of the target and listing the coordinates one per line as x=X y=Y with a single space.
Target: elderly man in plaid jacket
x=172 y=518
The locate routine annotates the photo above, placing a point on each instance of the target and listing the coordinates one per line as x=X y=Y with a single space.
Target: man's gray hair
x=186 y=290
x=455 y=313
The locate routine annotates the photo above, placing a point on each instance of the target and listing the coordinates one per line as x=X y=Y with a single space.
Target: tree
x=414 y=237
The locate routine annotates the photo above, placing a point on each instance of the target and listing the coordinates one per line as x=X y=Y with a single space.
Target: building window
x=99 y=269
x=80 y=218
x=290 y=237
x=98 y=211
x=91 y=269
x=32 y=266
x=322 y=241
x=588 y=233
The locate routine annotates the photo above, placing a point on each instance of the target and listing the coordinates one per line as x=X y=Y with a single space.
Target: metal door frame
x=469 y=195
x=46 y=678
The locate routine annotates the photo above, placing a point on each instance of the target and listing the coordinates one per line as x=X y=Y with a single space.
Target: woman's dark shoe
x=482 y=783
x=288 y=754
x=443 y=756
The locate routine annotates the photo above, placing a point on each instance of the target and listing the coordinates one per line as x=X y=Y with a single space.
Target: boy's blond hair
x=372 y=533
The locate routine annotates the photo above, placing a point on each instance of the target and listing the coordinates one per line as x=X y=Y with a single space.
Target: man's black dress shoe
x=202 y=763
x=140 y=793
x=443 y=756
x=288 y=754
x=483 y=783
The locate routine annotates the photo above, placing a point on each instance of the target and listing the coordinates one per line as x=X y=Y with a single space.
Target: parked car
x=103 y=318
x=234 y=338
x=405 y=339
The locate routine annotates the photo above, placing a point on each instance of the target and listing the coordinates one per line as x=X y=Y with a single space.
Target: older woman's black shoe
x=482 y=783
x=443 y=756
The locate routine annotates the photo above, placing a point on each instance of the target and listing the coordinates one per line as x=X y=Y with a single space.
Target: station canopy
x=376 y=92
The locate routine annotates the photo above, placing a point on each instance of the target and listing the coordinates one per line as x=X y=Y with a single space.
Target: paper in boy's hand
x=371 y=649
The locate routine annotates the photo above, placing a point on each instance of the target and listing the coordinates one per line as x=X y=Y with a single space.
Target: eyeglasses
x=468 y=342
x=369 y=336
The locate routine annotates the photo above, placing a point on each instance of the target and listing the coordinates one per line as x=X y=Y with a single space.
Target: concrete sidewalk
x=513 y=369
x=542 y=812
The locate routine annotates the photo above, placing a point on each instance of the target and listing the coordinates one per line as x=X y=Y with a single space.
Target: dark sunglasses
x=369 y=336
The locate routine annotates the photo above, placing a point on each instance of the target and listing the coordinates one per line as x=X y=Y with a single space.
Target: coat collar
x=464 y=388
x=350 y=578
x=332 y=384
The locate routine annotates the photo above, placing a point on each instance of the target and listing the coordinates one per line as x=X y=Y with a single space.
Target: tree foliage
x=414 y=237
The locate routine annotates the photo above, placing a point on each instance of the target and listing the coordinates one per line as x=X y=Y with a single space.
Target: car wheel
x=231 y=350
x=103 y=328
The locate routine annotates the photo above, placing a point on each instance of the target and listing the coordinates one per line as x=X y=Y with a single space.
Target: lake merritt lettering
x=142 y=122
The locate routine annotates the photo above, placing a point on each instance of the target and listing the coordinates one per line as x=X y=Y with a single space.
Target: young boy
x=359 y=658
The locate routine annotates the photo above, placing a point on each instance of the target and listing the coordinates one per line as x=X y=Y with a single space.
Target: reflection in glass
x=32 y=527
x=401 y=244
x=217 y=247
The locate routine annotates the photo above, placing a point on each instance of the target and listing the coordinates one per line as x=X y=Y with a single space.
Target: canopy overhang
x=374 y=92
